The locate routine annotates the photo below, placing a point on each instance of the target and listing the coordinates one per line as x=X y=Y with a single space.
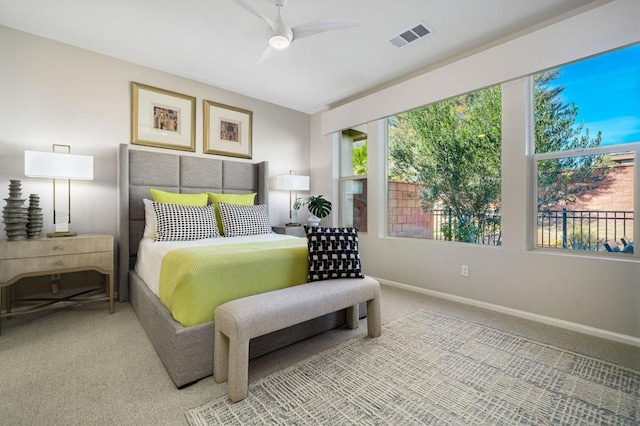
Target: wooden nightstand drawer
x=55 y=246
x=32 y=258
x=14 y=267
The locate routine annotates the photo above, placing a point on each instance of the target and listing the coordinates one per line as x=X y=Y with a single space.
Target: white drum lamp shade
x=57 y=165
x=292 y=182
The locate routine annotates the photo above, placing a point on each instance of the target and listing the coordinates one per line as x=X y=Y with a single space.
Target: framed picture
x=227 y=130
x=162 y=119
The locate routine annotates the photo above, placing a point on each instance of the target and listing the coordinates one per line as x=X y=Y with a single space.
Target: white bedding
x=151 y=253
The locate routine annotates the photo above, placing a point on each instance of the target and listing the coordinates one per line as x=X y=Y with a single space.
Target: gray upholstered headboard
x=139 y=171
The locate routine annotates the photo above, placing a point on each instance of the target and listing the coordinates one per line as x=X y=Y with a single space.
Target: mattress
x=191 y=278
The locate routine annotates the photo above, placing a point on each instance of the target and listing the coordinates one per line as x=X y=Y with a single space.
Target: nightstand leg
x=110 y=290
x=9 y=298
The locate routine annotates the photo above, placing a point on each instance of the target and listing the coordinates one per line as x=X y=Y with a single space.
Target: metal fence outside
x=485 y=230
x=583 y=229
x=566 y=229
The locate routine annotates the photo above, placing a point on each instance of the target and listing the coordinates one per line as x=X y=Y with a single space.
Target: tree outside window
x=585 y=180
x=444 y=169
x=444 y=163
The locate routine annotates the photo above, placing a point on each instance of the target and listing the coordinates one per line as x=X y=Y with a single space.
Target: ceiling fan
x=282 y=35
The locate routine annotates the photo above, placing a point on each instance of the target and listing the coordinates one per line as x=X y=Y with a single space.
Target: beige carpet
x=430 y=368
x=82 y=366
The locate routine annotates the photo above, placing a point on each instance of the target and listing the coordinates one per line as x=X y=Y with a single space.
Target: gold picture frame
x=227 y=130
x=162 y=118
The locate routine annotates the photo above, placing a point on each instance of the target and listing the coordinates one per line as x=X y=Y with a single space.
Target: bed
x=186 y=352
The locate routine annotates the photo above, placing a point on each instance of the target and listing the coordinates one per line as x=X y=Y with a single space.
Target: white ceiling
x=218 y=43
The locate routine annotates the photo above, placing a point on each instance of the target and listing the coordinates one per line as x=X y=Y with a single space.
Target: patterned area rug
x=433 y=369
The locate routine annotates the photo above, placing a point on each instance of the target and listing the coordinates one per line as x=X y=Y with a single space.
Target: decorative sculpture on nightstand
x=14 y=214
x=36 y=223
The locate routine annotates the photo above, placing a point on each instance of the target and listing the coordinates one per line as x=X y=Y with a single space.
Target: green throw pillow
x=238 y=199
x=181 y=199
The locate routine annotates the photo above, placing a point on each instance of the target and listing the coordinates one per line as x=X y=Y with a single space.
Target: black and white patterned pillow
x=238 y=220
x=176 y=222
x=333 y=253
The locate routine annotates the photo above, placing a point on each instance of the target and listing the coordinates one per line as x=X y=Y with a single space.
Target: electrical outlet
x=464 y=270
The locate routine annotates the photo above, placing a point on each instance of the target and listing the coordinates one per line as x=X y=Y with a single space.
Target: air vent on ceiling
x=411 y=35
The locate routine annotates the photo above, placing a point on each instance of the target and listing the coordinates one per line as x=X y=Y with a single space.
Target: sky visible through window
x=606 y=89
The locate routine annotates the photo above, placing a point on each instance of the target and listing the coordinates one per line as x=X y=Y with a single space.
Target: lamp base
x=61 y=234
x=293 y=224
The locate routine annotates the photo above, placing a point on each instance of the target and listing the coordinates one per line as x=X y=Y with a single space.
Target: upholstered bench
x=238 y=321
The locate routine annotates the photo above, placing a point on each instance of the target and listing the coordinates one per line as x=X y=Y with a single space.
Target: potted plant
x=318 y=206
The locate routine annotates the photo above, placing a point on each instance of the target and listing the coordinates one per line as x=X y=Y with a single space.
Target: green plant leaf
x=316 y=204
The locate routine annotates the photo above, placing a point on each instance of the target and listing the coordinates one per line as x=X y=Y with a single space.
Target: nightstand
x=296 y=231
x=31 y=258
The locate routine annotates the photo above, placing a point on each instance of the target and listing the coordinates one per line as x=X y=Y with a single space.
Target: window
x=586 y=120
x=444 y=163
x=353 y=177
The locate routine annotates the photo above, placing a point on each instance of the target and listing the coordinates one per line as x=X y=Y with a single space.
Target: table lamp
x=59 y=165
x=293 y=182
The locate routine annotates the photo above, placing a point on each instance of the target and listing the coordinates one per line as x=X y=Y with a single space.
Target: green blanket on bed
x=194 y=281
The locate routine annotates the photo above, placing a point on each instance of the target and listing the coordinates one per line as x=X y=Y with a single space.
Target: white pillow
x=175 y=222
x=149 y=219
x=240 y=220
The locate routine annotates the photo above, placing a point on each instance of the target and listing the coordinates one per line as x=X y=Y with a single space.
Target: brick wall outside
x=615 y=194
x=406 y=218
x=360 y=209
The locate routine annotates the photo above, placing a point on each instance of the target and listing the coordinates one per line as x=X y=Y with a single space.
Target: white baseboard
x=580 y=328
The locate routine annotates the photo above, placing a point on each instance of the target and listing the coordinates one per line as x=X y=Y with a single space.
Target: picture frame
x=162 y=118
x=227 y=130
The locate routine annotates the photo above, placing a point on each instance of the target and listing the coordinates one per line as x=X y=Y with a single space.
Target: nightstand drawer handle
x=58 y=247
x=58 y=263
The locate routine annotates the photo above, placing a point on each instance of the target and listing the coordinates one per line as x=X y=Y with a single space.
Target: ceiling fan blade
x=323 y=25
x=266 y=55
x=246 y=6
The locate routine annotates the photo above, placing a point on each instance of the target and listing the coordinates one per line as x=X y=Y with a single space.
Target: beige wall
x=55 y=93
x=596 y=294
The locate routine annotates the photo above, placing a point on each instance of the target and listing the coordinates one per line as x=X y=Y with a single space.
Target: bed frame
x=187 y=352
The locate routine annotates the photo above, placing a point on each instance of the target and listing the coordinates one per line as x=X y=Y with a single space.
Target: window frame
x=608 y=149
x=385 y=123
x=350 y=177
x=341 y=193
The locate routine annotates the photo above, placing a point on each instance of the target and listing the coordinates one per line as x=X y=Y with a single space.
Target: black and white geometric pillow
x=238 y=220
x=175 y=222
x=333 y=253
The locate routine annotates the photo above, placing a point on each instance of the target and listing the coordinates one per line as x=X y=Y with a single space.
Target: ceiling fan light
x=278 y=41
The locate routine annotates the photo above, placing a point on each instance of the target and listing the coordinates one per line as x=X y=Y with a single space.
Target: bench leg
x=353 y=317
x=374 y=322
x=238 y=369
x=220 y=357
